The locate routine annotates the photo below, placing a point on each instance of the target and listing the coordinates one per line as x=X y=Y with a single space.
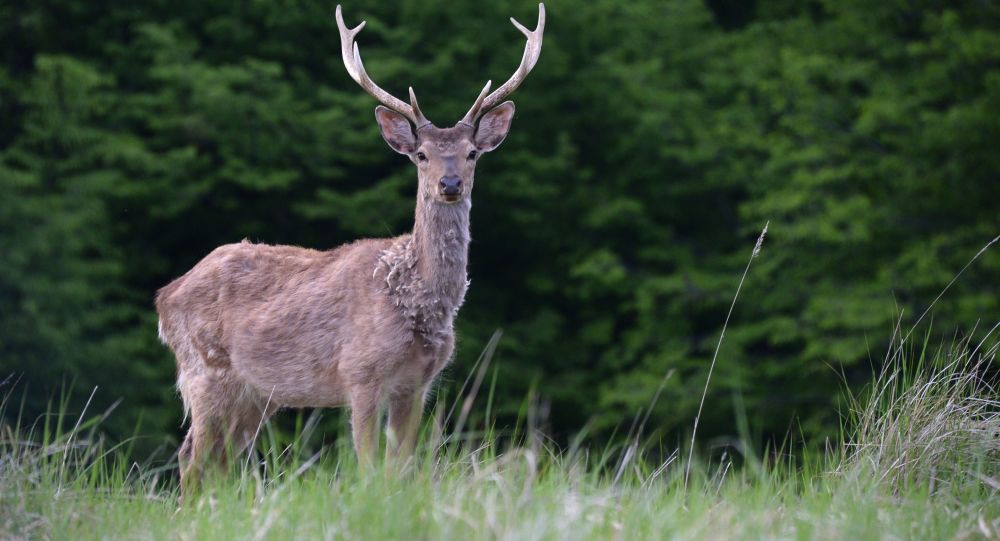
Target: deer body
x=301 y=327
x=257 y=327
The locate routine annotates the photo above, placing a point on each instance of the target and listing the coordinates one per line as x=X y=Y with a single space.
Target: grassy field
x=919 y=459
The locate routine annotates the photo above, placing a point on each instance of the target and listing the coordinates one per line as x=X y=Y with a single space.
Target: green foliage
x=652 y=142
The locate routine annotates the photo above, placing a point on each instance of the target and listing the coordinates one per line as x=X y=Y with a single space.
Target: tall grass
x=929 y=420
x=919 y=461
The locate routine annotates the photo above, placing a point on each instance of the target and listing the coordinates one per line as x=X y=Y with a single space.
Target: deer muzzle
x=451 y=185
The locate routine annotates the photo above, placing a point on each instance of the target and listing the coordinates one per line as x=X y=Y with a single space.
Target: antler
x=352 y=61
x=531 y=51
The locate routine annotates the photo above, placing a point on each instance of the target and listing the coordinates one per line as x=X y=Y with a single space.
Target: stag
x=255 y=327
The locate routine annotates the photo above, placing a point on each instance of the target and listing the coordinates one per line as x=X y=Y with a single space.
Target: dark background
x=652 y=142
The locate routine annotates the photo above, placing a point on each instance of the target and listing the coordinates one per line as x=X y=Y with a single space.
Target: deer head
x=445 y=157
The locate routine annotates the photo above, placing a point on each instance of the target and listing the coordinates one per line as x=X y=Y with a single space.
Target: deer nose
x=451 y=185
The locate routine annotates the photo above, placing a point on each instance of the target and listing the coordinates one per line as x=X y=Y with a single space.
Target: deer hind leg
x=195 y=455
x=244 y=425
x=225 y=418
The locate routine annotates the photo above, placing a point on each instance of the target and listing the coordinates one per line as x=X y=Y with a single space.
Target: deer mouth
x=451 y=198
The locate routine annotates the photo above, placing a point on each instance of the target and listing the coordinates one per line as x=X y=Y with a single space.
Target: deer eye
x=472 y=155
x=421 y=156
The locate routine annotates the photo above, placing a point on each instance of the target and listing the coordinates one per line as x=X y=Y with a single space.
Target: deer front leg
x=405 y=411
x=364 y=418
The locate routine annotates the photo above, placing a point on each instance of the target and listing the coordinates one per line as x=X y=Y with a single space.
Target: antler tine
x=470 y=118
x=356 y=69
x=531 y=51
x=418 y=116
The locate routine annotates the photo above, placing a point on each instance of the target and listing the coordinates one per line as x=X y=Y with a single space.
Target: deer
x=367 y=325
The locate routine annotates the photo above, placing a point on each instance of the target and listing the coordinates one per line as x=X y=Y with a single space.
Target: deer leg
x=248 y=419
x=364 y=419
x=405 y=412
x=223 y=423
x=195 y=454
x=184 y=461
x=184 y=453
x=208 y=448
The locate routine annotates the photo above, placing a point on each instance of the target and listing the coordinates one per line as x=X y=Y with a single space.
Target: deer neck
x=425 y=273
x=440 y=247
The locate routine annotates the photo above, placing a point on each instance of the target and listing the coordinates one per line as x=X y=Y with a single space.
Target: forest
x=652 y=143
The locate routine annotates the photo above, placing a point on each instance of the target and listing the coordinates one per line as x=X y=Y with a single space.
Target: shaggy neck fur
x=426 y=271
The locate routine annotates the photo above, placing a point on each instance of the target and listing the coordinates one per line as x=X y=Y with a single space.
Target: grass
x=920 y=459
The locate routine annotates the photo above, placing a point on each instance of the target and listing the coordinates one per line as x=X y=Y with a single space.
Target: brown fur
x=257 y=327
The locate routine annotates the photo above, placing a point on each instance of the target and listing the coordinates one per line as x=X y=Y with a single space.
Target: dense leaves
x=652 y=142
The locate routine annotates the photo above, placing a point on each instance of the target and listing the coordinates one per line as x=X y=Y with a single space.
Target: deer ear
x=493 y=127
x=396 y=130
